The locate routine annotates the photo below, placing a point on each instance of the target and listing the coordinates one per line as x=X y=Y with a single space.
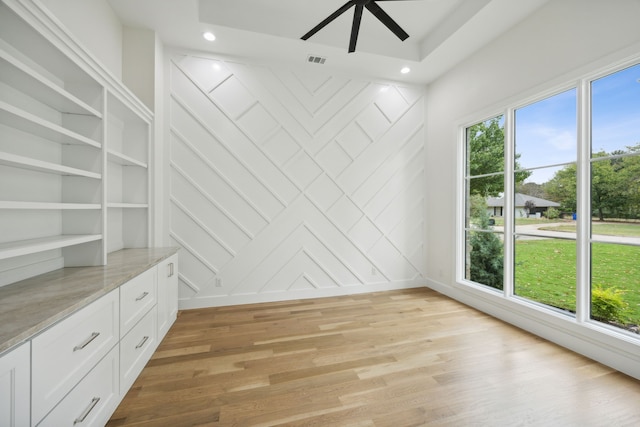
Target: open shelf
x=16 y=118
x=25 y=247
x=43 y=49
x=128 y=205
x=123 y=159
x=48 y=206
x=74 y=151
x=28 y=81
x=29 y=163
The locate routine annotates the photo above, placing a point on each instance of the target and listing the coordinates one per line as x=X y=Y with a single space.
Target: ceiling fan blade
x=329 y=18
x=355 y=28
x=387 y=20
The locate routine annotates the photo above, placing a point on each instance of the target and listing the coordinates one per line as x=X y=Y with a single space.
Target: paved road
x=532 y=231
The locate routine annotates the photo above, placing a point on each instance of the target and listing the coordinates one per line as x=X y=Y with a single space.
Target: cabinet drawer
x=65 y=353
x=93 y=400
x=136 y=349
x=137 y=296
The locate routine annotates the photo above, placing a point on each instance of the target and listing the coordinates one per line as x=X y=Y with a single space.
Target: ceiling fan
x=357 y=17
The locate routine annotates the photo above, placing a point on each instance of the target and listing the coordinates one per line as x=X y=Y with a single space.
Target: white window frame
x=581 y=324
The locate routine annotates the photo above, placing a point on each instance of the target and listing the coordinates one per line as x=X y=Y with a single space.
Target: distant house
x=495 y=205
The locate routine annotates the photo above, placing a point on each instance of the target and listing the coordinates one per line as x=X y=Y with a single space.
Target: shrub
x=607 y=304
x=486 y=255
x=553 y=213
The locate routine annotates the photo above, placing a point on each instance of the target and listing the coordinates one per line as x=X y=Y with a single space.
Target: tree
x=485 y=152
x=532 y=189
x=562 y=188
x=607 y=186
x=615 y=184
x=632 y=180
x=530 y=207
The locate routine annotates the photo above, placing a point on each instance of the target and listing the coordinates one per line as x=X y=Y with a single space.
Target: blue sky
x=546 y=130
x=616 y=110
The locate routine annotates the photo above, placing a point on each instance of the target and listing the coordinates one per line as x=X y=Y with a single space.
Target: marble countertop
x=32 y=305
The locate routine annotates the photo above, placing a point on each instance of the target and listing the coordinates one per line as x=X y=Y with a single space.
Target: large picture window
x=551 y=214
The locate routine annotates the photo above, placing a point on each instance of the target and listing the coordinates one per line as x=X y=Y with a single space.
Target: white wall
x=292 y=183
x=94 y=24
x=139 y=50
x=560 y=42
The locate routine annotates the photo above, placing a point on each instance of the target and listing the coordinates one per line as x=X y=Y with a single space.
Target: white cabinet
x=167 y=294
x=65 y=353
x=74 y=152
x=93 y=400
x=82 y=366
x=14 y=387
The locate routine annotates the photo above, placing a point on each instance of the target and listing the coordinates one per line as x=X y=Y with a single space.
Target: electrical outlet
x=218 y=282
x=374 y=271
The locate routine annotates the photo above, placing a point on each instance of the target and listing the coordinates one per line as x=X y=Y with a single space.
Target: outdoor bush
x=553 y=213
x=607 y=304
x=486 y=256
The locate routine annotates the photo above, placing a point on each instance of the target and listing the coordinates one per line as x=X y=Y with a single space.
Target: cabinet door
x=167 y=294
x=14 y=387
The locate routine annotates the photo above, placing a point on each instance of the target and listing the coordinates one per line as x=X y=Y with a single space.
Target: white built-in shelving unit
x=74 y=151
x=127 y=158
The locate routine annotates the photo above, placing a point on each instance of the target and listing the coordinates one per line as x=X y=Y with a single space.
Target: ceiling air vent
x=316 y=59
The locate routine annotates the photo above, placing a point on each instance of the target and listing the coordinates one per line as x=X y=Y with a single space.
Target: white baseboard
x=224 y=300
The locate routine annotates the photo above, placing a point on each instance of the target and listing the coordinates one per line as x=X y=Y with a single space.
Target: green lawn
x=545 y=271
x=608 y=229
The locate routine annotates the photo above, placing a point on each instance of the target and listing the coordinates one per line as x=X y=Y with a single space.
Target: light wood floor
x=400 y=358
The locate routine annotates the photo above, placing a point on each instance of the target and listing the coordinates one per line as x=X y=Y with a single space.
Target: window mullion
x=583 y=188
x=509 y=190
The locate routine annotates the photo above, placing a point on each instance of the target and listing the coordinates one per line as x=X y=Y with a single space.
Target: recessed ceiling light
x=209 y=36
x=405 y=70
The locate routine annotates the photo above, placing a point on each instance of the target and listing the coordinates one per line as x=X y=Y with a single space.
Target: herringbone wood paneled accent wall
x=289 y=184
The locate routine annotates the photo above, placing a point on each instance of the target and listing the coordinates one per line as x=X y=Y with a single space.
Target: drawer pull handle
x=142 y=296
x=87 y=341
x=86 y=412
x=144 y=340
x=170 y=269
